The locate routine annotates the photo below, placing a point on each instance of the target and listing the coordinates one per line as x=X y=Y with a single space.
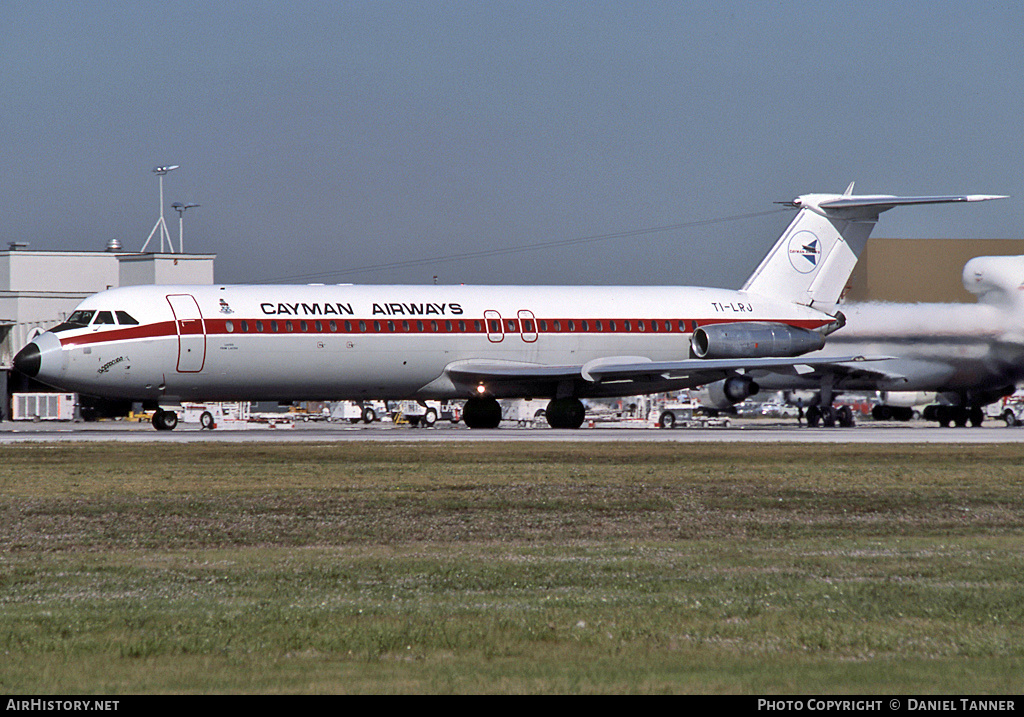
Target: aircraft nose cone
x=28 y=360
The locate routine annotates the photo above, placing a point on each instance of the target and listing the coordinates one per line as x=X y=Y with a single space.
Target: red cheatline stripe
x=349 y=327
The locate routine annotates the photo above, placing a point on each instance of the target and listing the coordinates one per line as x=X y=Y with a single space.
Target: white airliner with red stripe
x=165 y=344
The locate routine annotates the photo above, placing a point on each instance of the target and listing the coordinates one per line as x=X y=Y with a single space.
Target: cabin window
x=543 y=325
x=405 y=325
x=528 y=326
x=273 y=326
x=599 y=325
x=125 y=319
x=640 y=325
x=585 y=325
x=419 y=326
x=433 y=326
x=104 y=317
x=626 y=325
x=303 y=326
x=558 y=325
x=462 y=326
x=376 y=326
x=572 y=325
x=477 y=326
x=318 y=326
x=259 y=326
x=288 y=326
x=229 y=326
x=511 y=325
x=448 y=326
x=362 y=326
x=495 y=327
x=391 y=326
x=611 y=326
x=244 y=326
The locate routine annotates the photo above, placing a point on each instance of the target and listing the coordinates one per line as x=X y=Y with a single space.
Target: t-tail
x=813 y=260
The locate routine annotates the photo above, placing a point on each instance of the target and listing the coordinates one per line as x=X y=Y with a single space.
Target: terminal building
x=39 y=289
x=910 y=271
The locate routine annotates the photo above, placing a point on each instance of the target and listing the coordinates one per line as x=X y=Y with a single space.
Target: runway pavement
x=755 y=431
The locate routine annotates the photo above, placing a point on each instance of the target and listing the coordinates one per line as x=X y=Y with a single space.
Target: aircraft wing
x=643 y=374
x=844 y=369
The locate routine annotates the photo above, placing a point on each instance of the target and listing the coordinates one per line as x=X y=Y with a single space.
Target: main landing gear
x=565 y=413
x=560 y=413
x=482 y=413
x=830 y=416
x=822 y=412
x=165 y=420
x=959 y=416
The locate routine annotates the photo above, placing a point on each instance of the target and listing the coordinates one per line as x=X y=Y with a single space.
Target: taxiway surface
x=752 y=431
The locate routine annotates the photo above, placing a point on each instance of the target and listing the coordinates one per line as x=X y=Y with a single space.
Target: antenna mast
x=161 y=225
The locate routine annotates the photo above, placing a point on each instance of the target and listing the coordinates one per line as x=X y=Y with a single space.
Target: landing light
x=481 y=389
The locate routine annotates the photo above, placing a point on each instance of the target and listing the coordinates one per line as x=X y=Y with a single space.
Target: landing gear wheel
x=565 y=413
x=828 y=417
x=482 y=413
x=944 y=415
x=813 y=416
x=846 y=417
x=165 y=420
x=960 y=417
x=206 y=421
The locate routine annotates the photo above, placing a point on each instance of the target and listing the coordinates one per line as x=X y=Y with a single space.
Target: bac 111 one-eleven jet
x=162 y=345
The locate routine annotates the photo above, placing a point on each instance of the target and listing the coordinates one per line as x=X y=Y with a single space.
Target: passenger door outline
x=527 y=325
x=191 y=329
x=493 y=325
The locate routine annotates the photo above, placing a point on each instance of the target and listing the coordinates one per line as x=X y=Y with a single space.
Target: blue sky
x=634 y=142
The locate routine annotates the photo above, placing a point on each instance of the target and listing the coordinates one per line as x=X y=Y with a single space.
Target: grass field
x=511 y=568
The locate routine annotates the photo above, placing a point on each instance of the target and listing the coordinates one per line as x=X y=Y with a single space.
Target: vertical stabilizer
x=813 y=259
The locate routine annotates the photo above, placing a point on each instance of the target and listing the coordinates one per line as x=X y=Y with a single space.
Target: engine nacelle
x=750 y=339
x=723 y=394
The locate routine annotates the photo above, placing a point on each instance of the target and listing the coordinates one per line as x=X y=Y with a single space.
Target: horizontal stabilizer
x=883 y=202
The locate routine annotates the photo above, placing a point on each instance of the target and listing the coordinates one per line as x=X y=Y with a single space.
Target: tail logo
x=804 y=252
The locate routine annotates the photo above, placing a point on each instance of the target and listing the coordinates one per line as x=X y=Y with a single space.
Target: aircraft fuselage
x=379 y=342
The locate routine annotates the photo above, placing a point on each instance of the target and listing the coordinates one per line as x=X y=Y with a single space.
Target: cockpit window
x=104 y=317
x=81 y=318
x=78 y=320
x=125 y=319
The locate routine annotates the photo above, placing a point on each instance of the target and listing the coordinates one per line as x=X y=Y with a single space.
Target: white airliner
x=165 y=344
x=966 y=356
